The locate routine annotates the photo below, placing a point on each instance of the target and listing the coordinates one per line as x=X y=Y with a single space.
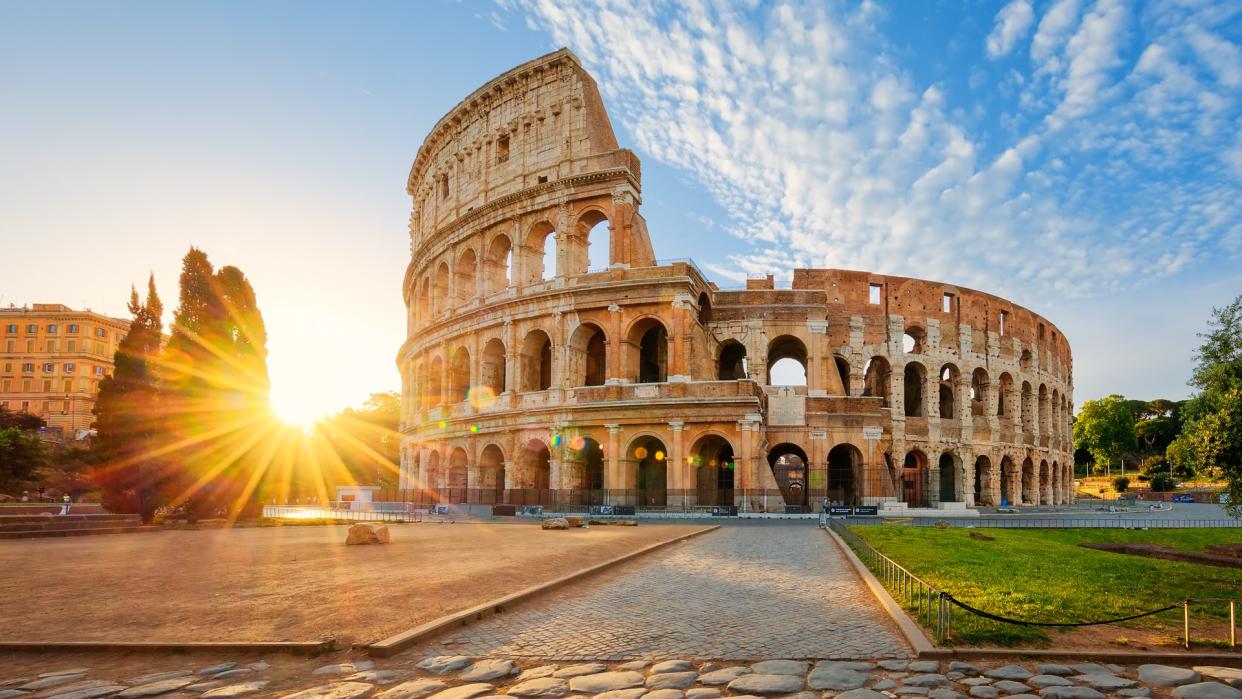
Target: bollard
x=1233 y=624
x=1186 y=621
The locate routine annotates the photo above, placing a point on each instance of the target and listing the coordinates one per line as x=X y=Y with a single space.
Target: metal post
x=1233 y=624
x=1186 y=621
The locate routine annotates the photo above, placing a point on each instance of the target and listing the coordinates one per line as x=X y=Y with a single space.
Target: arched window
x=467 y=269
x=651 y=458
x=843 y=373
x=594 y=229
x=948 y=392
x=948 y=478
x=789 y=467
x=844 y=462
x=983 y=481
x=491 y=485
x=705 y=309
x=1028 y=408
x=732 y=365
x=915 y=375
x=648 y=347
x=492 y=367
x=978 y=392
x=876 y=378
x=533 y=472
x=914 y=340
x=712 y=460
x=499 y=268
x=459 y=375
x=536 y=362
x=458 y=476
x=914 y=479
x=542 y=241
x=588 y=349
x=440 y=295
x=435 y=382
x=1005 y=396
x=787 y=362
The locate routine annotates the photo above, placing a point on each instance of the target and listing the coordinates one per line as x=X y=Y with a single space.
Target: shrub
x=1120 y=483
x=1162 y=483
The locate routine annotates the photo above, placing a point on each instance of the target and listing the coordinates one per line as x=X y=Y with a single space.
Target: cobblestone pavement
x=739 y=593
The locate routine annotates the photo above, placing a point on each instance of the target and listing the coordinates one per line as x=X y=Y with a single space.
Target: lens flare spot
x=659 y=456
x=443 y=424
x=578 y=444
x=481 y=397
x=640 y=452
x=474 y=429
x=556 y=440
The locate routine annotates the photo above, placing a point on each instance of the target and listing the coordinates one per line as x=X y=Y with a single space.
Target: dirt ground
x=283 y=583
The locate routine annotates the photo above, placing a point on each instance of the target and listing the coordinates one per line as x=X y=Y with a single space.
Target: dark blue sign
x=840 y=511
x=724 y=511
x=867 y=510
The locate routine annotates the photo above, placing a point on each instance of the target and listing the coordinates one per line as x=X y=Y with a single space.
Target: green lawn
x=1042 y=575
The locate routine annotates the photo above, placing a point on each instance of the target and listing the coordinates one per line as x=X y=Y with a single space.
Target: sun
x=295 y=411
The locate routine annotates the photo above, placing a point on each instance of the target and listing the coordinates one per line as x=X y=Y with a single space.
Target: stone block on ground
x=765 y=684
x=984 y=691
x=555 y=523
x=540 y=687
x=836 y=678
x=780 y=667
x=367 y=534
x=631 y=693
x=152 y=689
x=702 y=693
x=1228 y=675
x=931 y=679
x=1012 y=687
x=96 y=690
x=232 y=691
x=1053 y=669
x=1092 y=669
x=535 y=673
x=1048 y=681
x=861 y=694
x=465 y=691
x=604 y=681
x=574 y=520
x=1206 y=690
x=157 y=677
x=1070 y=693
x=376 y=676
x=1135 y=692
x=440 y=664
x=1106 y=681
x=53 y=681
x=724 y=675
x=1167 y=675
x=1009 y=672
x=670 y=666
x=77 y=687
x=945 y=693
x=336 y=690
x=66 y=671
x=924 y=666
x=414 y=689
x=671 y=680
x=964 y=668
x=487 y=670
x=667 y=694
x=579 y=669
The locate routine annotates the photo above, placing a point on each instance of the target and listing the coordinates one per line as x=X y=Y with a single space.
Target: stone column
x=815 y=361
x=676 y=477
x=616 y=345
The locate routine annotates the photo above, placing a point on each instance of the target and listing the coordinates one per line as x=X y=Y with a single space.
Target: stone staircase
x=44 y=525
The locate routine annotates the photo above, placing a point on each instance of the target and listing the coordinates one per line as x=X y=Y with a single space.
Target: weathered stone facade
x=643 y=383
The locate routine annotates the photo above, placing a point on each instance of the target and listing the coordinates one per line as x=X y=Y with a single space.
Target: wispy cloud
x=1117 y=160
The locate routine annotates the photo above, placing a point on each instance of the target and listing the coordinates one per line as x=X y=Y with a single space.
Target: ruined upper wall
x=539 y=122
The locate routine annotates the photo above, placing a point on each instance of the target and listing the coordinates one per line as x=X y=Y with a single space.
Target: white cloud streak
x=825 y=151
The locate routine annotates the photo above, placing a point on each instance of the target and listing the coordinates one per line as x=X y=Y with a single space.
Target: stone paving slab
x=739 y=593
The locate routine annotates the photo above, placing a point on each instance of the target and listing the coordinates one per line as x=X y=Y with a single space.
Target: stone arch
x=1058 y=484
x=845 y=463
x=498 y=267
x=787 y=356
x=466 y=276
x=458 y=475
x=492 y=366
x=440 y=292
x=535 y=368
x=985 y=481
x=842 y=366
x=950 y=485
x=790 y=467
x=732 y=362
x=491 y=485
x=459 y=376
x=1045 y=484
x=914 y=479
x=432 y=477
x=424 y=300
x=979 y=392
x=712 y=459
x=1044 y=413
x=915 y=379
x=435 y=381
x=949 y=377
x=705 y=308
x=914 y=340
x=647 y=351
x=650 y=459
x=595 y=231
x=588 y=355
x=878 y=374
x=1030 y=483
x=533 y=472
x=1010 y=481
x=1004 y=397
x=541 y=262
x=1028 y=408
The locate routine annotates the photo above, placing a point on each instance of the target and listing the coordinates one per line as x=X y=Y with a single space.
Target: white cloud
x=825 y=151
x=1012 y=23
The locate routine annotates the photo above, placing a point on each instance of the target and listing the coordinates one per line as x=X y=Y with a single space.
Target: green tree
x=1216 y=442
x=366 y=439
x=20 y=420
x=1105 y=428
x=21 y=455
x=129 y=423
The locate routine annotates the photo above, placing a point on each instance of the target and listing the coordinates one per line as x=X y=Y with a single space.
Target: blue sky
x=1083 y=158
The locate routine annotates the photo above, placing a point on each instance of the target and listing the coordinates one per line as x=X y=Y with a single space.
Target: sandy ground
x=282 y=583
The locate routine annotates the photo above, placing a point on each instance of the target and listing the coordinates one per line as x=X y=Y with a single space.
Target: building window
x=100 y=332
x=12 y=328
x=1004 y=316
x=502 y=149
x=947 y=304
x=69 y=368
x=28 y=368
x=73 y=327
x=444 y=188
x=51 y=328
x=99 y=371
x=25 y=406
x=73 y=345
x=32 y=328
x=49 y=368
x=874 y=294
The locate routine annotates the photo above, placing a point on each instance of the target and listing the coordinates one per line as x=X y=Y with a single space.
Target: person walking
x=823 y=514
x=65 y=500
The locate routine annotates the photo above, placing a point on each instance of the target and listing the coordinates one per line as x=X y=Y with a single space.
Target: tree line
x=1200 y=437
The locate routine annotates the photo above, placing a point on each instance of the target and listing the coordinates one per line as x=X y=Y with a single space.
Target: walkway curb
x=913 y=633
x=294 y=647
x=393 y=644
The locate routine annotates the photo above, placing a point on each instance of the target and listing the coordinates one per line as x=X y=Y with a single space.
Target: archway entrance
x=1006 y=482
x=789 y=467
x=843 y=462
x=983 y=481
x=492 y=473
x=713 y=463
x=651 y=460
x=948 y=478
x=914 y=479
x=590 y=476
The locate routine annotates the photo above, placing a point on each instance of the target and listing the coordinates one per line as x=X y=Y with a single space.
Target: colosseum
x=552 y=359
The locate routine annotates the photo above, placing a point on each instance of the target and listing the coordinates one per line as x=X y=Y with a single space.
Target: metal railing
x=934 y=607
x=296 y=512
x=1104 y=521
x=928 y=603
